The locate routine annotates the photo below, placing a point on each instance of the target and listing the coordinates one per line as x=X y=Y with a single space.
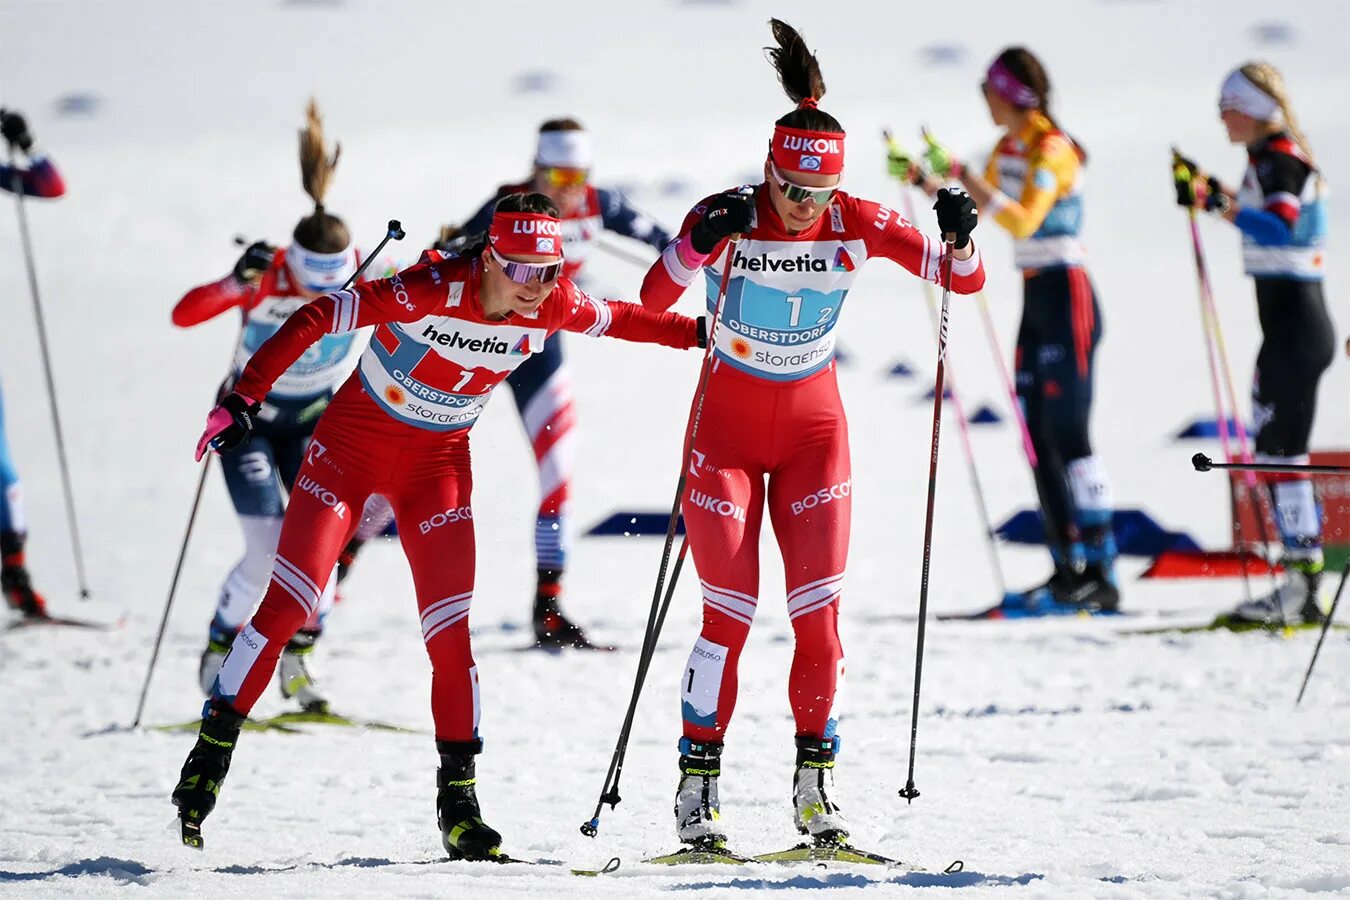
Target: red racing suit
x=400 y=427
x=772 y=414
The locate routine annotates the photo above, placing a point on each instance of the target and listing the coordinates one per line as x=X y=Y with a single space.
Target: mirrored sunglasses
x=796 y=193
x=556 y=176
x=524 y=273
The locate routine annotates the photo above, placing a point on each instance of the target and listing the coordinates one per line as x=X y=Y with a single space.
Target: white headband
x=320 y=272
x=565 y=149
x=1239 y=93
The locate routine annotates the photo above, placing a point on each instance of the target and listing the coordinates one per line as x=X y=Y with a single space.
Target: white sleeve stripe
x=967 y=266
x=675 y=267
x=345 y=310
x=1283 y=197
x=603 y=318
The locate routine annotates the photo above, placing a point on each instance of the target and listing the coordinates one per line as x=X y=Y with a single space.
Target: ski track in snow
x=1056 y=759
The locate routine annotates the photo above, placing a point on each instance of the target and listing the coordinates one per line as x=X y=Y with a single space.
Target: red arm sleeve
x=887 y=234
x=677 y=267
x=626 y=321
x=406 y=297
x=210 y=300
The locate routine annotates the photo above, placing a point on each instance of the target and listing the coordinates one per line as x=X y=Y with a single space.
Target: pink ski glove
x=228 y=425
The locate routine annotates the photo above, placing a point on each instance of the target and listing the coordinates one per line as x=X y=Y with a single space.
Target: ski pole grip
x=1202 y=462
x=396 y=229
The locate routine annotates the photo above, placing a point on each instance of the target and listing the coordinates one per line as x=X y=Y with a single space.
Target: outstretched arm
x=888 y=235
x=627 y=321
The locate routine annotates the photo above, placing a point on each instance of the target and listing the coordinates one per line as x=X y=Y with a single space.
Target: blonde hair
x=320 y=231
x=316 y=166
x=1271 y=82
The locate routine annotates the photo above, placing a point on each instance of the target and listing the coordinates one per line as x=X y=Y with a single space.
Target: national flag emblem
x=522 y=347
x=842 y=261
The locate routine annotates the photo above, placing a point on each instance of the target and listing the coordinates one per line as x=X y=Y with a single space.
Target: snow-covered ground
x=1056 y=759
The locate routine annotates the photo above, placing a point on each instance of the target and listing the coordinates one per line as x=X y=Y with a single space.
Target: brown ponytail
x=799 y=74
x=1026 y=68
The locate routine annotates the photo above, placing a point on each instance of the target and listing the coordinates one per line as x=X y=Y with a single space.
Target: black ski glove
x=14 y=127
x=256 y=260
x=956 y=214
x=228 y=425
x=702 y=332
x=725 y=215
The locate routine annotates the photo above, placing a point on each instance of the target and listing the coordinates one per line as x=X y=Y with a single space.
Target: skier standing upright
x=772 y=414
x=542 y=385
x=1031 y=187
x=449 y=330
x=39 y=178
x=1280 y=210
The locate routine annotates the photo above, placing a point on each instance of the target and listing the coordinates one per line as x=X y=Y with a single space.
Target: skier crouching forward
x=448 y=331
x=772 y=411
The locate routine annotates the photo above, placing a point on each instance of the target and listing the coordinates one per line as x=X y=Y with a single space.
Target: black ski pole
x=909 y=791
x=1326 y=626
x=16 y=185
x=1203 y=463
x=173 y=588
x=656 y=616
x=394 y=231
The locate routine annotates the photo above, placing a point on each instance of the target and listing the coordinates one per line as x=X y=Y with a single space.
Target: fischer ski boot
x=1297 y=601
x=552 y=628
x=698 y=817
x=296 y=679
x=464 y=834
x=14 y=581
x=205 y=769
x=815 y=813
x=218 y=642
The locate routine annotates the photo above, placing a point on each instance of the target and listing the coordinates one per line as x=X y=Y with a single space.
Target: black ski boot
x=1094 y=590
x=205 y=769
x=15 y=584
x=551 y=627
x=463 y=832
x=348 y=557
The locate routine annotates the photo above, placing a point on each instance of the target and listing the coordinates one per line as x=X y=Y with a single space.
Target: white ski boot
x=1296 y=601
x=698 y=819
x=816 y=815
x=296 y=679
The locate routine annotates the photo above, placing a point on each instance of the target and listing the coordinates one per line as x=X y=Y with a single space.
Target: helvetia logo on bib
x=842 y=261
x=522 y=347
